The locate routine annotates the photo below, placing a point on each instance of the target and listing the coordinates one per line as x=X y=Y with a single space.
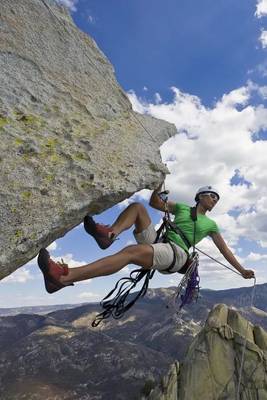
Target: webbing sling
x=117 y=305
x=178 y=230
x=172 y=226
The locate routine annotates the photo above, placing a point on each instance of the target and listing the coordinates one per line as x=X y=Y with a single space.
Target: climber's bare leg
x=135 y=214
x=139 y=254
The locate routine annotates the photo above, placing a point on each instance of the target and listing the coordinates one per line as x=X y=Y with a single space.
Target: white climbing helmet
x=206 y=189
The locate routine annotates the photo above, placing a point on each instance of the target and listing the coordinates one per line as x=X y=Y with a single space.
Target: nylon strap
x=172 y=226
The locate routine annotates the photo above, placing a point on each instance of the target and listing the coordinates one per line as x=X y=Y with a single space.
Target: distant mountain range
x=59 y=355
x=36 y=309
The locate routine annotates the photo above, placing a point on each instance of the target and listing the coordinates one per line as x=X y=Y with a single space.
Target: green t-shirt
x=182 y=218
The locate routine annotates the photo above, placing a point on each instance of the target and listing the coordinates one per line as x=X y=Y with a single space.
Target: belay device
x=187 y=289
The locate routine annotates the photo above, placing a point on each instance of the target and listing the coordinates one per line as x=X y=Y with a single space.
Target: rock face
x=168 y=389
x=211 y=367
x=70 y=141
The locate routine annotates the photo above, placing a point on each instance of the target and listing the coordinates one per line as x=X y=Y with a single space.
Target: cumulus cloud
x=70 y=4
x=263 y=92
x=52 y=246
x=125 y=203
x=158 y=98
x=68 y=259
x=22 y=275
x=262 y=68
x=214 y=146
x=142 y=195
x=263 y=39
x=126 y=270
x=256 y=257
x=89 y=296
x=261 y=9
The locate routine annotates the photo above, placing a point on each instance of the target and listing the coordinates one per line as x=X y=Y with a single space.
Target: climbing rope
x=246 y=335
x=98 y=70
x=244 y=345
x=219 y=262
x=189 y=274
x=52 y=13
x=116 y=306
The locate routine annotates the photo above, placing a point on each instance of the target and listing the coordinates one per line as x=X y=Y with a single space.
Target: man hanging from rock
x=145 y=253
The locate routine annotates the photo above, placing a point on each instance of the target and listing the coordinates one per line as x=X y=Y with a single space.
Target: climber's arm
x=158 y=204
x=229 y=256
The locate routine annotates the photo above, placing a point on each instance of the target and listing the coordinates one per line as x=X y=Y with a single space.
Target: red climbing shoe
x=103 y=234
x=52 y=271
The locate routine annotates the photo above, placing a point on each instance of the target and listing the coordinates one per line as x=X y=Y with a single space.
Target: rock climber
x=145 y=253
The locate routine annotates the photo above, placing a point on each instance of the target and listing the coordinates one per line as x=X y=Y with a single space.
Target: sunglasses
x=212 y=196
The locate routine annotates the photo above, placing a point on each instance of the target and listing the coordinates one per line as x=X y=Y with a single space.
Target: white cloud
x=125 y=203
x=262 y=91
x=68 y=259
x=235 y=97
x=158 y=98
x=256 y=257
x=130 y=242
x=70 y=4
x=261 y=10
x=72 y=263
x=262 y=69
x=89 y=296
x=212 y=145
x=141 y=195
x=22 y=275
x=52 y=246
x=263 y=39
x=126 y=270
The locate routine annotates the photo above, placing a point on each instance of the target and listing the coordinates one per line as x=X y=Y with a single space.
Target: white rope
x=244 y=346
x=134 y=114
x=219 y=262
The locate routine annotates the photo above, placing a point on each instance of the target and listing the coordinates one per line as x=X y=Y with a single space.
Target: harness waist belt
x=170 y=267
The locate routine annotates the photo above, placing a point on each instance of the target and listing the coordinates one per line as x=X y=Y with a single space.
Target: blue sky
x=203 y=66
x=176 y=43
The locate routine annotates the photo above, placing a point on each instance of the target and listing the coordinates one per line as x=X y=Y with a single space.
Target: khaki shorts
x=163 y=253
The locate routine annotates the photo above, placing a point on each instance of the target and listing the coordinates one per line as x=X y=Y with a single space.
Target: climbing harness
x=245 y=345
x=188 y=288
x=118 y=305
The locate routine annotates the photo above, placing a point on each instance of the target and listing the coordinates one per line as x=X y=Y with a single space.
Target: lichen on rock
x=70 y=141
